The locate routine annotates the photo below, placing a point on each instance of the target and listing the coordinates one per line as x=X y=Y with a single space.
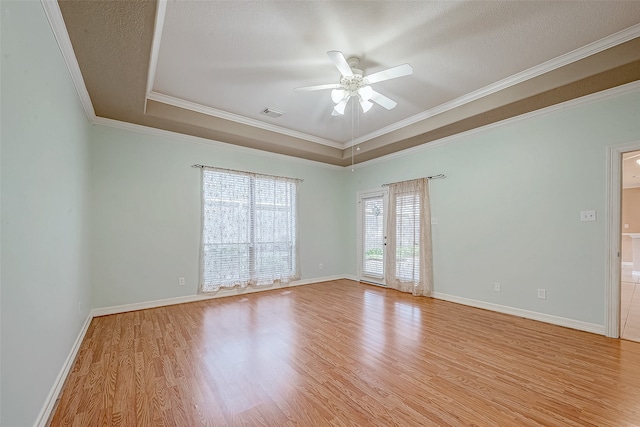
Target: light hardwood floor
x=346 y=354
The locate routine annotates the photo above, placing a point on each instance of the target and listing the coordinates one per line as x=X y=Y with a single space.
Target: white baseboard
x=96 y=312
x=533 y=315
x=50 y=402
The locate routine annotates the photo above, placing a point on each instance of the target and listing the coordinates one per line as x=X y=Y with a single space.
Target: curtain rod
x=439 y=176
x=245 y=172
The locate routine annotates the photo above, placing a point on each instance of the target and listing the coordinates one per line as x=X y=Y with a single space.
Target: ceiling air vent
x=272 y=113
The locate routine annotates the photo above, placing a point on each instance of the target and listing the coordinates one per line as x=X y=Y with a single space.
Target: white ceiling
x=232 y=59
x=631 y=170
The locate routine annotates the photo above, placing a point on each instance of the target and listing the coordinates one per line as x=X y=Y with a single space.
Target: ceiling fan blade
x=318 y=87
x=382 y=100
x=390 y=73
x=341 y=64
x=632 y=157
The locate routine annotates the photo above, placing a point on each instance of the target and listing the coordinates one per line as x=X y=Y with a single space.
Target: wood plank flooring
x=342 y=353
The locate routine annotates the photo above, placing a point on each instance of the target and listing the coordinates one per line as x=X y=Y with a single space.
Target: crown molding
x=161 y=12
x=199 y=108
x=56 y=21
x=584 y=100
x=181 y=137
x=553 y=64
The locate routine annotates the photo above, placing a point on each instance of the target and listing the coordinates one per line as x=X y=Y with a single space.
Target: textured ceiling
x=220 y=63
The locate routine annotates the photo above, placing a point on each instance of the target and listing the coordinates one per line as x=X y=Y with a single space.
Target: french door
x=372 y=235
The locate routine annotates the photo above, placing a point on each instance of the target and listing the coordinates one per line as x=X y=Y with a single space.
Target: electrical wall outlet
x=542 y=293
x=497 y=287
x=321 y=266
x=434 y=220
x=181 y=281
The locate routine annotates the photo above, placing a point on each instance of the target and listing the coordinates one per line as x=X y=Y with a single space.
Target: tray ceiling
x=209 y=69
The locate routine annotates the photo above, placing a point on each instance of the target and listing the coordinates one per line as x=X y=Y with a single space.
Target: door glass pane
x=373 y=237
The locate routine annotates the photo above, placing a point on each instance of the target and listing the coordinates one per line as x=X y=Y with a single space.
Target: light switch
x=626 y=226
x=586 y=216
x=434 y=220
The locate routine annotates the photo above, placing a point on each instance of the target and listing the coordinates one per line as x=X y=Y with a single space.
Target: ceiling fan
x=354 y=84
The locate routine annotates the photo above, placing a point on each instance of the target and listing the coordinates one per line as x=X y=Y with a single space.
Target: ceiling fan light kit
x=354 y=84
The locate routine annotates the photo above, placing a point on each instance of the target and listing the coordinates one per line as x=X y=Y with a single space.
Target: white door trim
x=613 y=235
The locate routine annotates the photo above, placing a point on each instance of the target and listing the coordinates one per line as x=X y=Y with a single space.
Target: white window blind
x=408 y=237
x=249 y=229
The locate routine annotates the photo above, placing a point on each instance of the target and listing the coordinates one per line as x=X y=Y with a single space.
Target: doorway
x=630 y=247
x=372 y=236
x=613 y=217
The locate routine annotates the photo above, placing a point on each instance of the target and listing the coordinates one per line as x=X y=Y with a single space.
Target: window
x=249 y=229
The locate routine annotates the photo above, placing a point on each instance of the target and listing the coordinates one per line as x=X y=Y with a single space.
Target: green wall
x=509 y=208
x=45 y=186
x=146 y=212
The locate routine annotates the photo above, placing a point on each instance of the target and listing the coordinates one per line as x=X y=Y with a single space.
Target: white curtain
x=409 y=263
x=249 y=229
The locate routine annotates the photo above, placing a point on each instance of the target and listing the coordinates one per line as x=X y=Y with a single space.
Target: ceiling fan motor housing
x=352 y=83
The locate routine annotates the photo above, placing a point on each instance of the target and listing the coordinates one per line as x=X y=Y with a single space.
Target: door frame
x=614 y=235
x=359 y=196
